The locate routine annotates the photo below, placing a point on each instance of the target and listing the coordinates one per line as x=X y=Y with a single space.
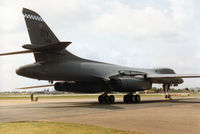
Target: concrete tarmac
x=151 y=116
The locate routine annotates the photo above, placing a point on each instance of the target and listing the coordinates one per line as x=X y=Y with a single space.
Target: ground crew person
x=31 y=97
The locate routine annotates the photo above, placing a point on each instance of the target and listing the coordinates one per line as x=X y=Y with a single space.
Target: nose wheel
x=168 y=96
x=166 y=88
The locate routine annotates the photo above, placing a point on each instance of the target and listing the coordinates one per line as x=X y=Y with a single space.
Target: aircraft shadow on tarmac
x=115 y=106
x=181 y=100
x=94 y=105
x=120 y=105
x=160 y=101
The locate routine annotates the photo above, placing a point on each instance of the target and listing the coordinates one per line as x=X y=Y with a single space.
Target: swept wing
x=160 y=76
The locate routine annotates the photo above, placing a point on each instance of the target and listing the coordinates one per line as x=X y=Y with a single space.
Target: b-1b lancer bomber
x=74 y=74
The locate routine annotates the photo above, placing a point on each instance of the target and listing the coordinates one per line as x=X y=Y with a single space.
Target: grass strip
x=56 y=128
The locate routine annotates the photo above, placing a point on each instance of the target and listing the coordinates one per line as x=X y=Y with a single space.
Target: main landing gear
x=131 y=98
x=166 y=88
x=110 y=99
x=106 y=99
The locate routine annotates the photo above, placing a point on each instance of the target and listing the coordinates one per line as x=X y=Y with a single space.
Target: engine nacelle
x=59 y=86
x=80 y=87
x=130 y=84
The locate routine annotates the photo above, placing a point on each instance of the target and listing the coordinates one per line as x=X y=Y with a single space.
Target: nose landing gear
x=166 y=88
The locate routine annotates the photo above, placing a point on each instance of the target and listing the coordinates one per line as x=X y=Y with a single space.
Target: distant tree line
x=172 y=90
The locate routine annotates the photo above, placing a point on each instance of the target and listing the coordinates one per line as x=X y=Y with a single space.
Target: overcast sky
x=136 y=33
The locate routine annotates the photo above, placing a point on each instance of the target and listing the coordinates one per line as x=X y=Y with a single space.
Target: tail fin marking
x=39 y=31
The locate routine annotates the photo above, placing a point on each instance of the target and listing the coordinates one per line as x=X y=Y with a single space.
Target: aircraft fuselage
x=83 y=70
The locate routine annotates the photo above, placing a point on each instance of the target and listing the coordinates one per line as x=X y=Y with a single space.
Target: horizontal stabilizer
x=49 y=47
x=158 y=76
x=36 y=48
x=17 y=52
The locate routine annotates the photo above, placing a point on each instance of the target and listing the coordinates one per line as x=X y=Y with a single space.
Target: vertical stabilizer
x=39 y=32
x=43 y=39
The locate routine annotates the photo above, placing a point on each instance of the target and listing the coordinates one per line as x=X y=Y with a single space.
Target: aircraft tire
x=127 y=98
x=107 y=99
x=169 y=96
x=137 y=98
x=166 y=96
x=132 y=99
x=101 y=99
x=112 y=99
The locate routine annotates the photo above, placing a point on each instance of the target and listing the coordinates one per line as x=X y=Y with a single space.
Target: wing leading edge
x=160 y=76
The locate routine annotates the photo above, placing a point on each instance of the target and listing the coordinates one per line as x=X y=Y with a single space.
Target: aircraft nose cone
x=19 y=71
x=22 y=71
